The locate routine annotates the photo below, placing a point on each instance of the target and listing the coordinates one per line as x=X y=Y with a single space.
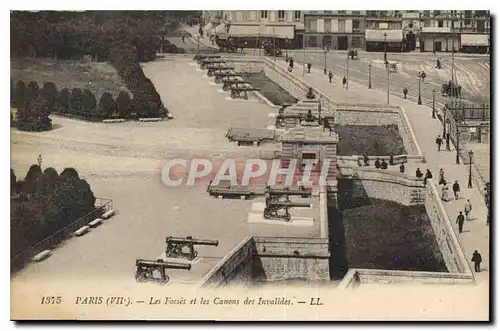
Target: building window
x=355 y=25
x=281 y=14
x=356 y=12
x=437 y=13
x=341 y=12
x=467 y=22
x=245 y=15
x=440 y=24
x=480 y=26
x=427 y=13
x=468 y=13
x=296 y=14
x=328 y=11
x=356 y=42
x=263 y=14
x=410 y=25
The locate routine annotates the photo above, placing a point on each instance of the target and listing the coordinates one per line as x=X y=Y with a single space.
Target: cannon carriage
x=175 y=246
x=205 y=63
x=200 y=57
x=226 y=75
x=236 y=83
x=278 y=202
x=241 y=92
x=147 y=270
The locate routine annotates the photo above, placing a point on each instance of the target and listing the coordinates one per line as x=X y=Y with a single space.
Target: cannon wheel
x=191 y=258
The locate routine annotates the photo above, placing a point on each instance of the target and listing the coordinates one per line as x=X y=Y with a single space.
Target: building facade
x=334 y=29
x=384 y=31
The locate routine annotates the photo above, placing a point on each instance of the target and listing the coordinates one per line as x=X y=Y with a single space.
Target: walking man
x=419 y=173
x=344 y=81
x=39 y=159
x=428 y=175
x=330 y=76
x=468 y=209
x=460 y=221
x=402 y=168
x=477 y=259
x=441 y=177
x=309 y=68
x=439 y=141
x=456 y=189
x=290 y=65
x=405 y=92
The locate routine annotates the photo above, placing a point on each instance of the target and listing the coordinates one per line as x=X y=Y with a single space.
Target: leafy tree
x=32 y=92
x=107 y=106
x=76 y=101
x=88 y=103
x=123 y=105
x=62 y=101
x=20 y=93
x=49 y=92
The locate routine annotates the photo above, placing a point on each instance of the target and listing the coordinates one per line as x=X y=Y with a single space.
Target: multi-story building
x=445 y=30
x=334 y=29
x=384 y=31
x=411 y=28
x=286 y=27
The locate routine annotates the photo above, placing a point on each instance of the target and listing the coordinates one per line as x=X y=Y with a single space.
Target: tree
x=32 y=92
x=62 y=101
x=12 y=94
x=69 y=174
x=76 y=100
x=13 y=181
x=49 y=92
x=123 y=105
x=35 y=117
x=88 y=103
x=20 y=93
x=107 y=106
x=32 y=176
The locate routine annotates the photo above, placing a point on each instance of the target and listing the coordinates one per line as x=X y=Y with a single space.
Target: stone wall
x=448 y=243
x=261 y=259
x=357 y=277
x=387 y=185
x=235 y=267
x=291 y=259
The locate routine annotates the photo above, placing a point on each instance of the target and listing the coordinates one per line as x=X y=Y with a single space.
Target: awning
x=277 y=31
x=378 y=35
x=474 y=40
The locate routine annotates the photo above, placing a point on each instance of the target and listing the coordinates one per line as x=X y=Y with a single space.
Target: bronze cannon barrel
x=194 y=241
x=161 y=263
x=289 y=204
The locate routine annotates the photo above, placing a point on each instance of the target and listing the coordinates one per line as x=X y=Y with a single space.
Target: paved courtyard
x=123 y=162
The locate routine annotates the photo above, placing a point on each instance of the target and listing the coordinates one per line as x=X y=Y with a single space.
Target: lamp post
x=419 y=101
x=347 y=73
x=457 y=133
x=444 y=122
x=385 y=48
x=369 y=75
x=471 y=153
x=286 y=49
x=433 y=103
x=325 y=62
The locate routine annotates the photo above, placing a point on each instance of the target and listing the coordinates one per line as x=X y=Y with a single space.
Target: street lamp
x=471 y=153
x=433 y=103
x=419 y=101
x=385 y=48
x=286 y=49
x=347 y=72
x=444 y=122
x=457 y=133
x=369 y=75
x=325 y=62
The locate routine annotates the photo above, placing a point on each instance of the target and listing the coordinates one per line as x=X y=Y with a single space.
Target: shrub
x=107 y=106
x=76 y=100
x=20 y=93
x=63 y=101
x=32 y=92
x=49 y=92
x=88 y=103
x=123 y=105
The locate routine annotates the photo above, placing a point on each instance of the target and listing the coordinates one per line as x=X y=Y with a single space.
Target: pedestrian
x=310 y=94
x=377 y=163
x=309 y=65
x=460 y=221
x=290 y=65
x=383 y=165
x=344 y=81
x=391 y=160
x=405 y=91
x=441 y=177
x=467 y=209
x=428 y=175
x=423 y=75
x=438 y=64
x=402 y=168
x=477 y=259
x=419 y=173
x=456 y=189
x=330 y=76
x=439 y=141
x=366 y=159
x=183 y=39
x=39 y=160
x=448 y=141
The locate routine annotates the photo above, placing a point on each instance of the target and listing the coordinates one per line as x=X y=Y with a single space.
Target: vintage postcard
x=257 y=165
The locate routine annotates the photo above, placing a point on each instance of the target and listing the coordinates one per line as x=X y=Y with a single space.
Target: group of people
x=439 y=142
x=382 y=164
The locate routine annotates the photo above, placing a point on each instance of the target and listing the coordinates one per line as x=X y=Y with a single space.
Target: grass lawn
x=370 y=139
x=99 y=77
x=269 y=89
x=381 y=234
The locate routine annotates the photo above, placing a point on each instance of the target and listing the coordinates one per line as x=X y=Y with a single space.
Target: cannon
x=273 y=208
x=212 y=69
x=276 y=193
x=209 y=62
x=308 y=117
x=241 y=92
x=226 y=74
x=200 y=57
x=234 y=83
x=283 y=107
x=176 y=244
x=146 y=268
